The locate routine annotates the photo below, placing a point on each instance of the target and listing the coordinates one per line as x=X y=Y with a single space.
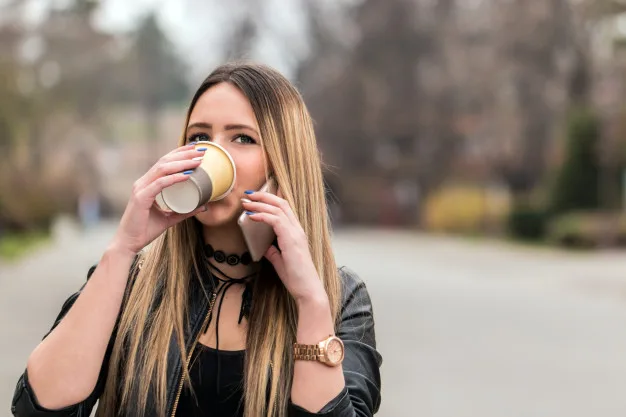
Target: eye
x=244 y=139
x=196 y=137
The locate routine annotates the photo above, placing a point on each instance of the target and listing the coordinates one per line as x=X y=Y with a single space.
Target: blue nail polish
x=248 y=192
x=192 y=143
x=201 y=149
x=188 y=172
x=249 y=213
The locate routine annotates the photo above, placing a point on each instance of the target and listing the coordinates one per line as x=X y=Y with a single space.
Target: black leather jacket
x=360 y=366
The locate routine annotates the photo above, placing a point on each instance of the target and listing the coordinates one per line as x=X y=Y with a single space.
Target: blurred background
x=475 y=158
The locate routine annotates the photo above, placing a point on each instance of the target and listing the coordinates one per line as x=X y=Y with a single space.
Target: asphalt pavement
x=466 y=328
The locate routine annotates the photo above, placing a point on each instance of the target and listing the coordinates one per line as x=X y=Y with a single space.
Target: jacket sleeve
x=361 y=363
x=25 y=402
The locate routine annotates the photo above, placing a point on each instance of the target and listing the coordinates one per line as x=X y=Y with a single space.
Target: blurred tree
x=538 y=50
x=385 y=104
x=160 y=73
x=150 y=74
x=68 y=76
x=58 y=79
x=577 y=184
x=240 y=42
x=604 y=19
x=10 y=100
x=76 y=63
x=423 y=90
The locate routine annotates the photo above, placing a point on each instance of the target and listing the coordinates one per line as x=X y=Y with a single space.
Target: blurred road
x=466 y=328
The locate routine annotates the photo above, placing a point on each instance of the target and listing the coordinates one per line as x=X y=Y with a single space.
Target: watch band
x=306 y=352
x=329 y=351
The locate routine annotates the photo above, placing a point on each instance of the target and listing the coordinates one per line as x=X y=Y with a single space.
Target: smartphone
x=258 y=235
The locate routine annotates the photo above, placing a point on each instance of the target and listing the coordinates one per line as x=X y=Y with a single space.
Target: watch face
x=334 y=351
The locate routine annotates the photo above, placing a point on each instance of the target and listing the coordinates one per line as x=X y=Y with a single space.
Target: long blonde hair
x=157 y=305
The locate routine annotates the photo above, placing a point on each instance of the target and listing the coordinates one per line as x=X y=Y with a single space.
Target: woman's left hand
x=293 y=263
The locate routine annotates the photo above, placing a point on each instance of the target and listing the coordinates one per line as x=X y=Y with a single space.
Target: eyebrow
x=203 y=125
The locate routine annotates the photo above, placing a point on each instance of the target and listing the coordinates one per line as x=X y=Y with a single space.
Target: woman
x=169 y=330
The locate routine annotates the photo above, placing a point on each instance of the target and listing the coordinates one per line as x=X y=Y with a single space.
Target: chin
x=220 y=213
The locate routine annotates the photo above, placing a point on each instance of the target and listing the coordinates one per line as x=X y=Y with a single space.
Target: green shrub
x=527 y=223
x=13 y=246
x=588 y=230
x=577 y=182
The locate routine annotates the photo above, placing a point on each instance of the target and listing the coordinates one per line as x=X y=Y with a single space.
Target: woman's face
x=223 y=115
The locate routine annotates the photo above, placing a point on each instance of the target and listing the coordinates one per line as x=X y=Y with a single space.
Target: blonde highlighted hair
x=157 y=305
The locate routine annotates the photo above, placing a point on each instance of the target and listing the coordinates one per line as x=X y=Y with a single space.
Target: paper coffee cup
x=213 y=180
x=161 y=203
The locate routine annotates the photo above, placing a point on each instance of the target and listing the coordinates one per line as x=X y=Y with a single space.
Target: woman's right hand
x=143 y=221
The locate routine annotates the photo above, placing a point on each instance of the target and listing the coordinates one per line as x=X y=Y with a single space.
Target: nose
x=220 y=138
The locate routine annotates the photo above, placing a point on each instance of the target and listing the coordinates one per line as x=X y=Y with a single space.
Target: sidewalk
x=32 y=292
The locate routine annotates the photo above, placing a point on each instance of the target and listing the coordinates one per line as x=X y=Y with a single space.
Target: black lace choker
x=232 y=259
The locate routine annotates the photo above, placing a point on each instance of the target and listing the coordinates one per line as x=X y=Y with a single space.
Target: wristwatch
x=329 y=351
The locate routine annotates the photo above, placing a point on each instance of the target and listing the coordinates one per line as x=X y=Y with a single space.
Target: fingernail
x=198 y=158
x=249 y=213
x=188 y=172
x=201 y=149
x=245 y=200
x=248 y=192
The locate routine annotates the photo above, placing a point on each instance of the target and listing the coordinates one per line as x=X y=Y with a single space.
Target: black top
x=217 y=375
x=220 y=396
x=223 y=398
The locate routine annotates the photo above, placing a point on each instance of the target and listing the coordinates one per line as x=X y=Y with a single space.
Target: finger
x=157 y=171
x=184 y=154
x=258 y=207
x=178 y=150
x=167 y=215
x=290 y=234
x=150 y=192
x=264 y=197
x=267 y=218
x=169 y=168
x=183 y=148
x=274 y=200
x=276 y=259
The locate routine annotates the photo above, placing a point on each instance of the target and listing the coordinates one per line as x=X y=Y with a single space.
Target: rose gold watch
x=329 y=351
